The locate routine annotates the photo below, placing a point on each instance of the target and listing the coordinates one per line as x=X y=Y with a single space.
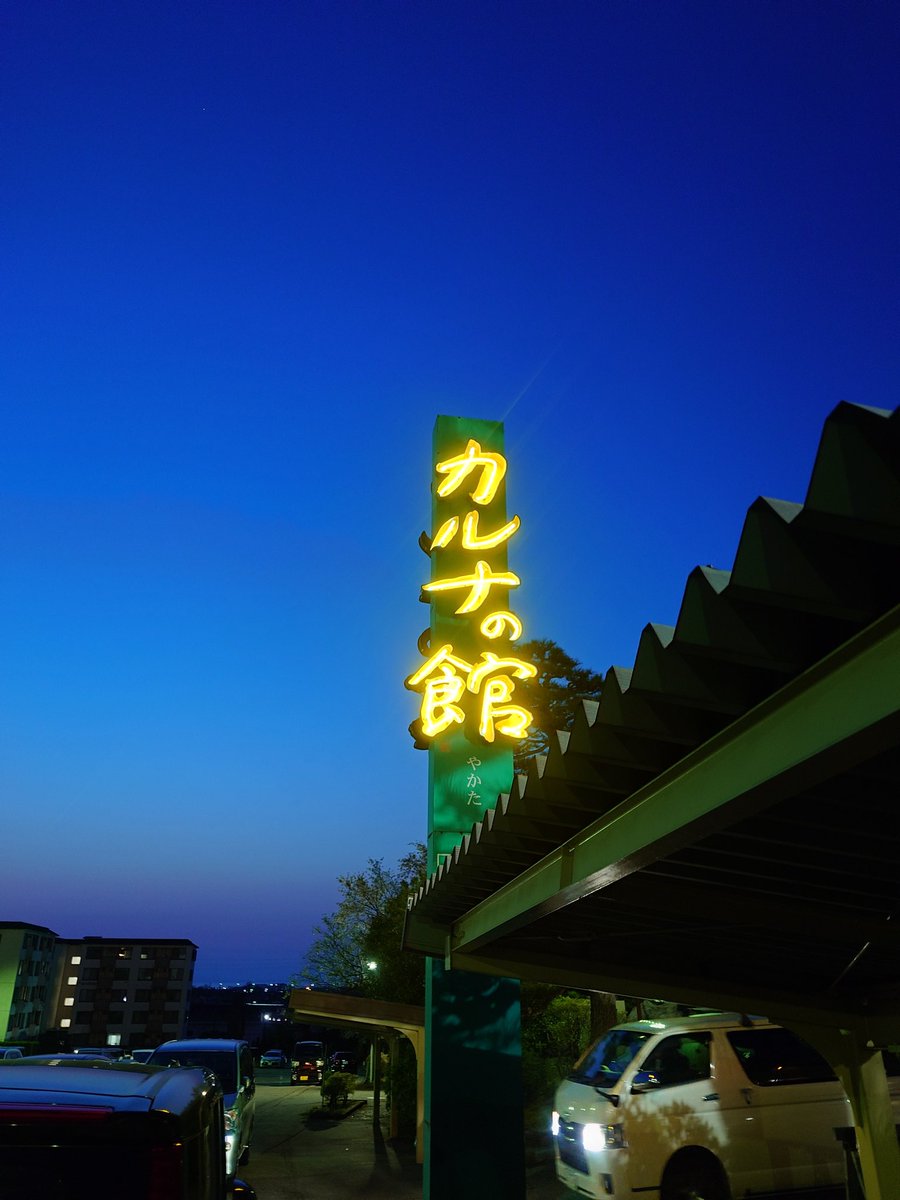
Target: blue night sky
x=249 y=252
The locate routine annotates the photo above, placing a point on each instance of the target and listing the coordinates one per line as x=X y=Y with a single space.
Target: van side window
x=771 y=1057
x=679 y=1059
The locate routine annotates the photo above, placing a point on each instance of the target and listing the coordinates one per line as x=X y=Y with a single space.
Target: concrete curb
x=327 y=1114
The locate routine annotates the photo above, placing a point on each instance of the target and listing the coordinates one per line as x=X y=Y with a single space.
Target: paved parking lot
x=294 y=1158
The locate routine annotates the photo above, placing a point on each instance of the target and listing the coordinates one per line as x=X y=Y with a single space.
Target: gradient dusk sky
x=249 y=252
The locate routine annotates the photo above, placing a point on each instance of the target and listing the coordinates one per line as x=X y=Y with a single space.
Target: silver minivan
x=231 y=1061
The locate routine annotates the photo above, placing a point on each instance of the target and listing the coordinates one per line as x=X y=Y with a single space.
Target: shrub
x=336 y=1088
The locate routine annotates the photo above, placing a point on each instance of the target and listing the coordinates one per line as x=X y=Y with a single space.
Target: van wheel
x=695 y=1181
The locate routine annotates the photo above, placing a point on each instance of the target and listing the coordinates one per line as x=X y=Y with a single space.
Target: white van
x=713 y=1106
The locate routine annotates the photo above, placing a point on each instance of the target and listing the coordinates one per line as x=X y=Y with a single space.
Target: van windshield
x=223 y=1063
x=603 y=1062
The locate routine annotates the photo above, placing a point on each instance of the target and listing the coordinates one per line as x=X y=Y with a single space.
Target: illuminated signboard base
x=474 y=1145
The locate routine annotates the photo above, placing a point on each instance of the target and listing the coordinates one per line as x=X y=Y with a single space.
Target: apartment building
x=123 y=992
x=26 y=979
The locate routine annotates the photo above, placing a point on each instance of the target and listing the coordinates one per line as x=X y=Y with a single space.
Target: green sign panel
x=469 y=717
x=469 y=720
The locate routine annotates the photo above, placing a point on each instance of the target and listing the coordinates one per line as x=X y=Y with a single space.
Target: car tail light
x=29 y=1114
x=165 y=1172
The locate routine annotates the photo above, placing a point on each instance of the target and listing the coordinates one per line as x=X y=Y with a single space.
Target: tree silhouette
x=366 y=927
x=553 y=696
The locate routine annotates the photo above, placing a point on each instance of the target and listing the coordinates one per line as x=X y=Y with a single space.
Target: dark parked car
x=306 y=1071
x=105 y=1131
x=273 y=1058
x=342 y=1060
x=307 y=1062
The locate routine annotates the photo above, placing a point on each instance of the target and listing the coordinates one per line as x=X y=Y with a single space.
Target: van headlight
x=602 y=1137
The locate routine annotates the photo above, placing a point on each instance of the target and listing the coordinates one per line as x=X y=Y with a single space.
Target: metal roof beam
x=836 y=713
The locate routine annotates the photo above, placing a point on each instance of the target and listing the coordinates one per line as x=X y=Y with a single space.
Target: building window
x=72 y=980
x=69 y=1001
x=65 y=1022
x=75 y=960
x=121 y=973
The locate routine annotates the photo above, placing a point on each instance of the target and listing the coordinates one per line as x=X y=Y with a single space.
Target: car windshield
x=221 y=1062
x=603 y=1063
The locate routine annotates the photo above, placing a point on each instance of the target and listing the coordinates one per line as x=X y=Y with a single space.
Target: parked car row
x=172 y=1128
x=309 y=1063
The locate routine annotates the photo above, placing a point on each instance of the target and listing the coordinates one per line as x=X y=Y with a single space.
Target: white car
x=273 y=1058
x=712 y=1105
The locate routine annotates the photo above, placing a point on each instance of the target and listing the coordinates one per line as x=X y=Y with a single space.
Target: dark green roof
x=720 y=826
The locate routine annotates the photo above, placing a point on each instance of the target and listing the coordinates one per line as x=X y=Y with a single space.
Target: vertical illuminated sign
x=469 y=717
x=469 y=720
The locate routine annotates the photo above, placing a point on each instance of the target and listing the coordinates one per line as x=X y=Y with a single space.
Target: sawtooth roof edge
x=741 y=634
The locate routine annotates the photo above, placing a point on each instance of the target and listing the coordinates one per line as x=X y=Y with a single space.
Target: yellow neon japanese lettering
x=472 y=541
x=491 y=663
x=443 y=660
x=439 y=703
x=493 y=468
x=480 y=584
x=498 y=715
x=445 y=534
x=454 y=691
x=496 y=624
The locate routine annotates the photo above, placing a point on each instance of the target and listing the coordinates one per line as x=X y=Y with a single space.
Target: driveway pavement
x=295 y=1158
